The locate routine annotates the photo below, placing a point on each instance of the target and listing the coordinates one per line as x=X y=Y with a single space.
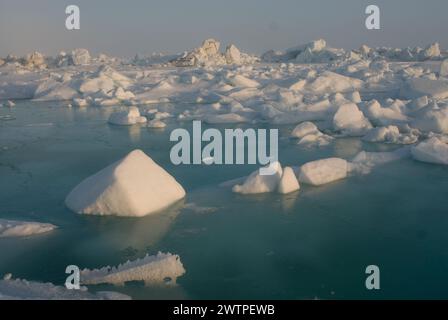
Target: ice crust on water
x=134 y=186
x=13 y=228
x=18 y=289
x=163 y=268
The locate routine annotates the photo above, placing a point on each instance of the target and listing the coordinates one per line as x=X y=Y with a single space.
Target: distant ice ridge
x=12 y=228
x=134 y=186
x=163 y=268
x=17 y=289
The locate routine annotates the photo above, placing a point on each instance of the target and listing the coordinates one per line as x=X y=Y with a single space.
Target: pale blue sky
x=124 y=28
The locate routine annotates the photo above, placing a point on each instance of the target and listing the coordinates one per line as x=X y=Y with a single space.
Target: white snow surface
x=323 y=171
x=134 y=186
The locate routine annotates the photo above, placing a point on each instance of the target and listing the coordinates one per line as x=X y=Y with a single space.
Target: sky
x=124 y=28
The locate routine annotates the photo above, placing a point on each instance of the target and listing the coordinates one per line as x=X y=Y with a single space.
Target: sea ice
x=257 y=183
x=157 y=269
x=18 y=289
x=133 y=186
x=303 y=129
x=349 y=120
x=323 y=171
x=288 y=182
x=12 y=228
x=127 y=117
x=432 y=150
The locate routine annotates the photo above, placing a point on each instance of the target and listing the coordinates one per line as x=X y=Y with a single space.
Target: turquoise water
x=315 y=243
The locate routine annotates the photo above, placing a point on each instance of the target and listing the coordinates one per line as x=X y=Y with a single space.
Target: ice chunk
x=364 y=161
x=432 y=120
x=430 y=52
x=304 y=129
x=257 y=183
x=80 y=57
x=383 y=116
x=443 y=72
x=233 y=55
x=433 y=150
x=389 y=134
x=132 y=186
x=12 y=228
x=17 y=289
x=288 y=182
x=241 y=81
x=163 y=268
x=331 y=82
x=416 y=88
x=316 y=139
x=156 y=124
x=128 y=117
x=350 y=120
x=323 y=171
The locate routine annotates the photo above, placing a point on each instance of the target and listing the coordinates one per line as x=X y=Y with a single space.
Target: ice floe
x=127 y=117
x=323 y=171
x=18 y=289
x=13 y=228
x=162 y=268
x=433 y=150
x=133 y=186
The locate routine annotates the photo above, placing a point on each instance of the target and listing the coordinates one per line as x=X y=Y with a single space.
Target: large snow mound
x=323 y=171
x=133 y=186
x=12 y=228
x=157 y=269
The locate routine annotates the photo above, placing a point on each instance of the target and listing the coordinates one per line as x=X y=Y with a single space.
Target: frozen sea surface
x=315 y=243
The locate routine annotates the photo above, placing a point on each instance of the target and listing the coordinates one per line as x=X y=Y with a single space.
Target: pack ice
x=157 y=269
x=134 y=186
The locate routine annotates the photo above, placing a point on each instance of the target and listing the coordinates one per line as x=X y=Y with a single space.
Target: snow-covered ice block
x=316 y=140
x=18 y=289
x=257 y=183
x=323 y=171
x=288 y=182
x=133 y=186
x=12 y=228
x=157 y=269
x=389 y=134
x=350 y=120
x=303 y=129
x=80 y=57
x=241 y=81
x=156 y=124
x=331 y=82
x=431 y=120
x=127 y=117
x=415 y=88
x=433 y=150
